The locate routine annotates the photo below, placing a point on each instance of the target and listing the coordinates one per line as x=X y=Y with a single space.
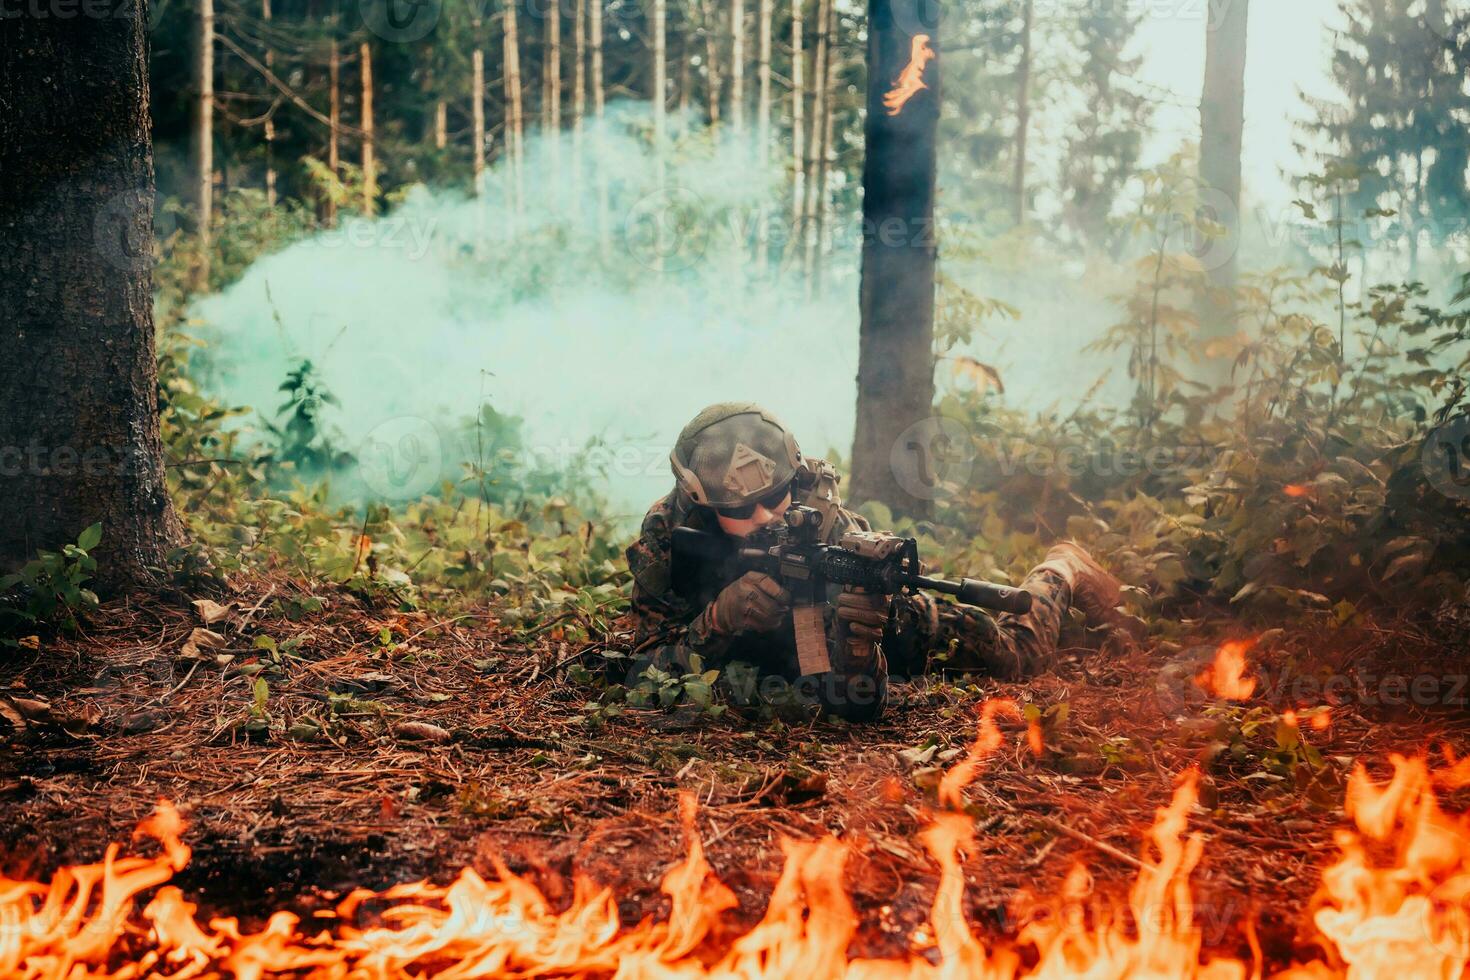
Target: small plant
x=50 y=589
x=304 y=436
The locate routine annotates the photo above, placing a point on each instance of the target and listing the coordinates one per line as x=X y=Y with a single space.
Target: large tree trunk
x=1023 y=116
x=1222 y=123
x=369 y=150
x=824 y=163
x=204 y=137
x=798 y=113
x=896 y=341
x=79 y=438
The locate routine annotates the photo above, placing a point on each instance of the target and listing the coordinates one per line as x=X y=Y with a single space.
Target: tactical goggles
x=770 y=501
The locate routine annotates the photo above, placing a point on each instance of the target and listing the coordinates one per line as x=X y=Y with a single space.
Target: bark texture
x=204 y=136
x=1222 y=125
x=1023 y=115
x=895 y=355
x=798 y=113
x=477 y=108
x=79 y=440
x=369 y=147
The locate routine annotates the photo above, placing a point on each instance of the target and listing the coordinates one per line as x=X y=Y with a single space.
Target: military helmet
x=733 y=454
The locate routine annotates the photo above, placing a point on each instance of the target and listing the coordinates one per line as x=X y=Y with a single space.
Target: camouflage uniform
x=672 y=622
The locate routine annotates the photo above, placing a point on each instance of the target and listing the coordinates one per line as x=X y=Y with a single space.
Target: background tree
x=896 y=339
x=1222 y=126
x=1104 y=141
x=1402 y=120
x=79 y=426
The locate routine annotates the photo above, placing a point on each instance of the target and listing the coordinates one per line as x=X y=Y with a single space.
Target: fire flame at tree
x=1402 y=918
x=911 y=80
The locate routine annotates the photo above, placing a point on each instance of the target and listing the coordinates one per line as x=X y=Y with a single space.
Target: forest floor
x=382 y=748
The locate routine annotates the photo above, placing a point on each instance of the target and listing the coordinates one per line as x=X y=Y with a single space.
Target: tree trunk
x=477 y=107
x=599 y=92
x=553 y=93
x=712 y=81
x=515 y=121
x=737 y=65
x=441 y=124
x=763 y=81
x=660 y=92
x=763 y=125
x=822 y=80
x=334 y=134
x=896 y=339
x=686 y=69
x=270 y=122
x=824 y=163
x=1023 y=116
x=579 y=96
x=1222 y=122
x=599 y=103
x=798 y=113
x=369 y=157
x=79 y=383
x=204 y=138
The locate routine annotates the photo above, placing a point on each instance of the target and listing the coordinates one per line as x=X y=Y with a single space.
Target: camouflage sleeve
x=667 y=626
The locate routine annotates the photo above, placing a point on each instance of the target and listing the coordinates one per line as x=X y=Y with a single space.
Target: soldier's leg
x=1007 y=646
x=1012 y=646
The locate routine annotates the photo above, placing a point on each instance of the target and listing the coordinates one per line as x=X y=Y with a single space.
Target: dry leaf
x=16 y=720
x=211 y=612
x=983 y=375
x=200 y=640
x=33 y=709
x=421 y=731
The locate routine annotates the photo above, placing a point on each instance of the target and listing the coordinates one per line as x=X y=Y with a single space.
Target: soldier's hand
x=863 y=613
x=754 y=602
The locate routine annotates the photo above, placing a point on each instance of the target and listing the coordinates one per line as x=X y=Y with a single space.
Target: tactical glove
x=857 y=689
x=754 y=602
x=863 y=614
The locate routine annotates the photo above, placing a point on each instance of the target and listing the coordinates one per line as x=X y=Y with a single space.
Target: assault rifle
x=793 y=554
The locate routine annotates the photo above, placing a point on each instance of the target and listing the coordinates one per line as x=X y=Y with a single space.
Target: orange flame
x=1404 y=917
x=1034 y=739
x=1296 y=490
x=1225 y=678
x=911 y=80
x=987 y=742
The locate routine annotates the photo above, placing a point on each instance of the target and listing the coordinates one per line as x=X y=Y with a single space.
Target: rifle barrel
x=973 y=592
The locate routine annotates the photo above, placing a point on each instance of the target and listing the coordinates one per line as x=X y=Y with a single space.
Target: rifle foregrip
x=998 y=597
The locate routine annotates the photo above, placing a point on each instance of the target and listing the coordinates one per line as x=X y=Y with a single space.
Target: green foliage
x=1297 y=485
x=50 y=589
x=1400 y=67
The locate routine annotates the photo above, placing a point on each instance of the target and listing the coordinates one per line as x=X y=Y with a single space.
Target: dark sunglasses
x=770 y=501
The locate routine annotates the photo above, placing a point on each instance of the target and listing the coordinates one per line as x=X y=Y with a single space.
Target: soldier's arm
x=909 y=641
x=666 y=625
